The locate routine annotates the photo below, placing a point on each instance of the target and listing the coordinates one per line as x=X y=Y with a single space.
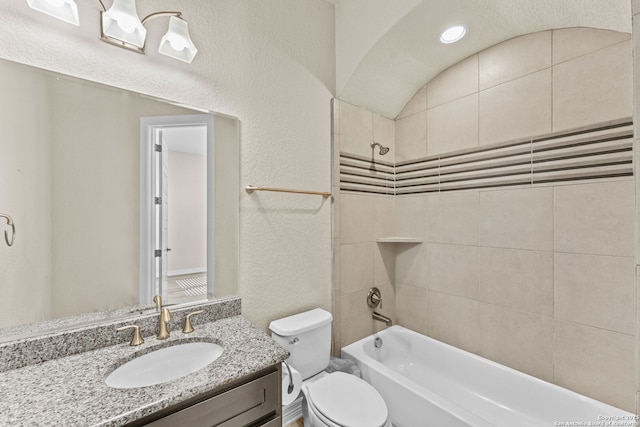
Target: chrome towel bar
x=250 y=189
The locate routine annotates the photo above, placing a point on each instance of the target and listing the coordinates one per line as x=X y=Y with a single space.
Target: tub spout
x=382 y=318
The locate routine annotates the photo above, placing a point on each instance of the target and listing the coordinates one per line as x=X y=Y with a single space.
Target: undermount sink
x=164 y=365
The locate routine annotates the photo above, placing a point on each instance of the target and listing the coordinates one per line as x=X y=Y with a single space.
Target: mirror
x=72 y=176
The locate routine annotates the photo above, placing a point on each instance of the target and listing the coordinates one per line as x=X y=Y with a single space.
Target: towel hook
x=13 y=230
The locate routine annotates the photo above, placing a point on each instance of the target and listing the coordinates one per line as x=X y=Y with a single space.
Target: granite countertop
x=71 y=390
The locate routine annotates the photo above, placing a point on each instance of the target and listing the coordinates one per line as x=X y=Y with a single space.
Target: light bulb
x=178 y=43
x=121 y=23
x=65 y=10
x=453 y=34
x=126 y=24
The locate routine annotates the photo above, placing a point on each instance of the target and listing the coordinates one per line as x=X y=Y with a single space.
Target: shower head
x=383 y=150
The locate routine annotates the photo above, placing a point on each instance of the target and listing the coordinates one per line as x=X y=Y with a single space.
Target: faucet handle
x=374 y=298
x=136 y=339
x=188 y=327
x=158 y=301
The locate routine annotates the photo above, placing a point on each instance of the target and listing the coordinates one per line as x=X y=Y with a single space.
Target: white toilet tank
x=307 y=336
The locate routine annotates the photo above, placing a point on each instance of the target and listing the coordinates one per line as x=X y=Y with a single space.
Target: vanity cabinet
x=252 y=401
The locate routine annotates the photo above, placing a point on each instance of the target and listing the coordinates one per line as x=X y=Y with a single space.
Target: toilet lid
x=348 y=401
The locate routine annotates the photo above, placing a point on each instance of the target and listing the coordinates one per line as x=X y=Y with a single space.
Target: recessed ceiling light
x=453 y=34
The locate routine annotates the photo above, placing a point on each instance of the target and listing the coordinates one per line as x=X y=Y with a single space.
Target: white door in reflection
x=184 y=219
x=179 y=171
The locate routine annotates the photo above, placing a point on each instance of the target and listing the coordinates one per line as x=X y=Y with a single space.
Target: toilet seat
x=340 y=399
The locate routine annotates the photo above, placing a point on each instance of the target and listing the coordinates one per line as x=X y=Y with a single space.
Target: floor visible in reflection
x=296 y=423
x=186 y=288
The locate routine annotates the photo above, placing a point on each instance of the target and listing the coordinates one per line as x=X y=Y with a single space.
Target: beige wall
x=539 y=278
x=359 y=262
x=636 y=118
x=95 y=186
x=226 y=209
x=187 y=213
x=534 y=84
x=25 y=165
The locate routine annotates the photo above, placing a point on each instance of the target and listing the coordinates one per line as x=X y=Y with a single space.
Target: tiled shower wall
x=358 y=220
x=536 y=277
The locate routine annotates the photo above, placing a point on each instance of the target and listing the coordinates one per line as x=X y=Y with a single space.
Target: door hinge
x=158 y=253
x=158 y=148
x=158 y=200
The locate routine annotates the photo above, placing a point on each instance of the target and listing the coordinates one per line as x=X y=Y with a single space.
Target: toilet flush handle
x=295 y=341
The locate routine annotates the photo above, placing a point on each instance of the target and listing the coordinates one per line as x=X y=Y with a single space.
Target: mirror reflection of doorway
x=182 y=213
x=177 y=208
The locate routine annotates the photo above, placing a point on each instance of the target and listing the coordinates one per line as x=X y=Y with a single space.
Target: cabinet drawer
x=238 y=407
x=273 y=423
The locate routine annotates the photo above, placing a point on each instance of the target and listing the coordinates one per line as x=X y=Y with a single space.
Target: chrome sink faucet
x=165 y=317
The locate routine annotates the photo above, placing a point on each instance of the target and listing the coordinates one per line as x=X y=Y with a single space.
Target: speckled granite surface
x=70 y=391
x=81 y=337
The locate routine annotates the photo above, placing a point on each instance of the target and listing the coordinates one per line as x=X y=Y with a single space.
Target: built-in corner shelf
x=412 y=240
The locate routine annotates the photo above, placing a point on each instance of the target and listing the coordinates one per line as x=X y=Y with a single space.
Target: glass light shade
x=453 y=34
x=65 y=10
x=176 y=43
x=121 y=22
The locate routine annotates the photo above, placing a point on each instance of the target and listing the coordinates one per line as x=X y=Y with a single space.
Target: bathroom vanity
x=59 y=378
x=255 y=401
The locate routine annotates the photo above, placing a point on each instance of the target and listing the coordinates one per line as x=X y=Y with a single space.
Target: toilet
x=333 y=399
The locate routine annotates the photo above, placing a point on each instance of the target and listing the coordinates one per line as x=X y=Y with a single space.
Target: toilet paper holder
x=290 y=387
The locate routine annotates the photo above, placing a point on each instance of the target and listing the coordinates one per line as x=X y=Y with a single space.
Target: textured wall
x=270 y=63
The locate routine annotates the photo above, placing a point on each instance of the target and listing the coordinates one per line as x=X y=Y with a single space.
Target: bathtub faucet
x=382 y=318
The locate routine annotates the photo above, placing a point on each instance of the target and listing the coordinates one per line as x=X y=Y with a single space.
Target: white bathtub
x=428 y=383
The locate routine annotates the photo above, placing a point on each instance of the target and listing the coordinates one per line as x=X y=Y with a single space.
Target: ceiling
x=388 y=49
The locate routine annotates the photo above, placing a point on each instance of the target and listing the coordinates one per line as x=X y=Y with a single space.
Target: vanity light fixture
x=453 y=34
x=65 y=10
x=176 y=43
x=121 y=26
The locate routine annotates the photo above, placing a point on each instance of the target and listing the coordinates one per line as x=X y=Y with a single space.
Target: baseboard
x=292 y=411
x=187 y=271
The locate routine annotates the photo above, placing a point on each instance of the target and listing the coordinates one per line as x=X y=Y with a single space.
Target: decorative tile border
x=364 y=175
x=604 y=150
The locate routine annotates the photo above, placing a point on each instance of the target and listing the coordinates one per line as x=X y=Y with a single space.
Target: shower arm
x=383 y=150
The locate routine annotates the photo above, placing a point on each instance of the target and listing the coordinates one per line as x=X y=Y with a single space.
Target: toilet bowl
x=337 y=399
x=341 y=399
